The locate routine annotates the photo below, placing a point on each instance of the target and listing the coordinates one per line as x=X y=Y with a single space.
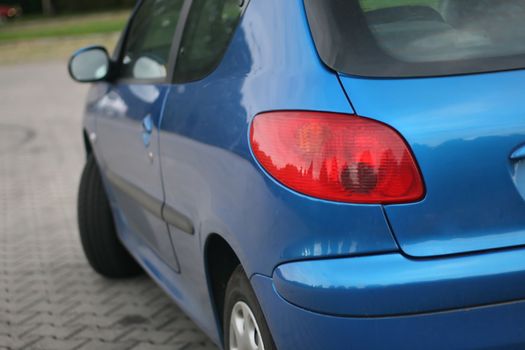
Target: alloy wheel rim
x=244 y=330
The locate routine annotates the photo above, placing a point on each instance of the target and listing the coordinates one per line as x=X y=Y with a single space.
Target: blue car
x=315 y=174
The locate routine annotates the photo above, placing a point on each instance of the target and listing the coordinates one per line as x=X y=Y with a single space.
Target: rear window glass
x=403 y=38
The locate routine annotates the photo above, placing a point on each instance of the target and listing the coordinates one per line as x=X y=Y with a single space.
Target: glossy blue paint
x=500 y=326
x=271 y=64
x=120 y=148
x=333 y=258
x=392 y=284
x=462 y=131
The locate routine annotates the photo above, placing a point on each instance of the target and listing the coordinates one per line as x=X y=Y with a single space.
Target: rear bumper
x=390 y=301
x=500 y=326
x=393 y=285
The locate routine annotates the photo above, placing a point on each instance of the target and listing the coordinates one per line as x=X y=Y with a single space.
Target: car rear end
x=437 y=140
x=9 y=12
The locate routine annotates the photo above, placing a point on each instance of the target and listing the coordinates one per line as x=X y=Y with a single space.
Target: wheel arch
x=220 y=263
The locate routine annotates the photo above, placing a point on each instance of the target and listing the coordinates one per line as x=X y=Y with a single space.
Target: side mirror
x=90 y=64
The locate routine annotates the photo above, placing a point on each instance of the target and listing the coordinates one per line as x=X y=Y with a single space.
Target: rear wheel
x=244 y=325
x=102 y=247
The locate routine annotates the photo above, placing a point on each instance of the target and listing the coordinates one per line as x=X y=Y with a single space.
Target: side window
x=147 y=48
x=209 y=28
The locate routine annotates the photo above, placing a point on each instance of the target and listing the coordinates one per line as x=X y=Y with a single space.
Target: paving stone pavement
x=49 y=296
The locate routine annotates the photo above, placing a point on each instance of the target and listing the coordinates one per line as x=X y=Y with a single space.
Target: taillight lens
x=336 y=157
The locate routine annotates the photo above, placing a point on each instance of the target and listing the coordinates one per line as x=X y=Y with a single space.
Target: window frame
x=243 y=4
x=118 y=56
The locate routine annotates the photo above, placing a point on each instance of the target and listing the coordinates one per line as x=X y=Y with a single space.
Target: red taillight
x=336 y=157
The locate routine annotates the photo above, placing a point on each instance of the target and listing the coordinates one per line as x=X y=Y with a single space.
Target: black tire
x=240 y=289
x=103 y=249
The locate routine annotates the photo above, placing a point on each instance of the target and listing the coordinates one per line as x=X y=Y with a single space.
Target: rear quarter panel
x=210 y=174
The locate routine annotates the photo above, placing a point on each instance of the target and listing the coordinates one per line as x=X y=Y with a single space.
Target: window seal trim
x=172 y=78
x=177 y=39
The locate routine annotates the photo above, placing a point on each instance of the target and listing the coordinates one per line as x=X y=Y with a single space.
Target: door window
x=149 y=41
x=210 y=26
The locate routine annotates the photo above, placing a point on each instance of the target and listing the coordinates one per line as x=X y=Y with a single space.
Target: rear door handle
x=518 y=154
x=147 y=129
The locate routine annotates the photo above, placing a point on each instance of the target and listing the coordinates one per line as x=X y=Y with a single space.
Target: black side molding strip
x=151 y=204
x=177 y=219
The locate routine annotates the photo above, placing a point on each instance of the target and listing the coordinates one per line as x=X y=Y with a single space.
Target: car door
x=194 y=117
x=129 y=114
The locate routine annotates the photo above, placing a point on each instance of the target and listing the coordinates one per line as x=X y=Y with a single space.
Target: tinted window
x=210 y=26
x=399 y=38
x=148 y=44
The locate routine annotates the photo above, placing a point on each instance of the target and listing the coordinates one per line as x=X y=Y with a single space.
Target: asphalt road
x=49 y=296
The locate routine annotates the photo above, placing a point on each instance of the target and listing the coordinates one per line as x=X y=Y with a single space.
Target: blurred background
x=35 y=30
